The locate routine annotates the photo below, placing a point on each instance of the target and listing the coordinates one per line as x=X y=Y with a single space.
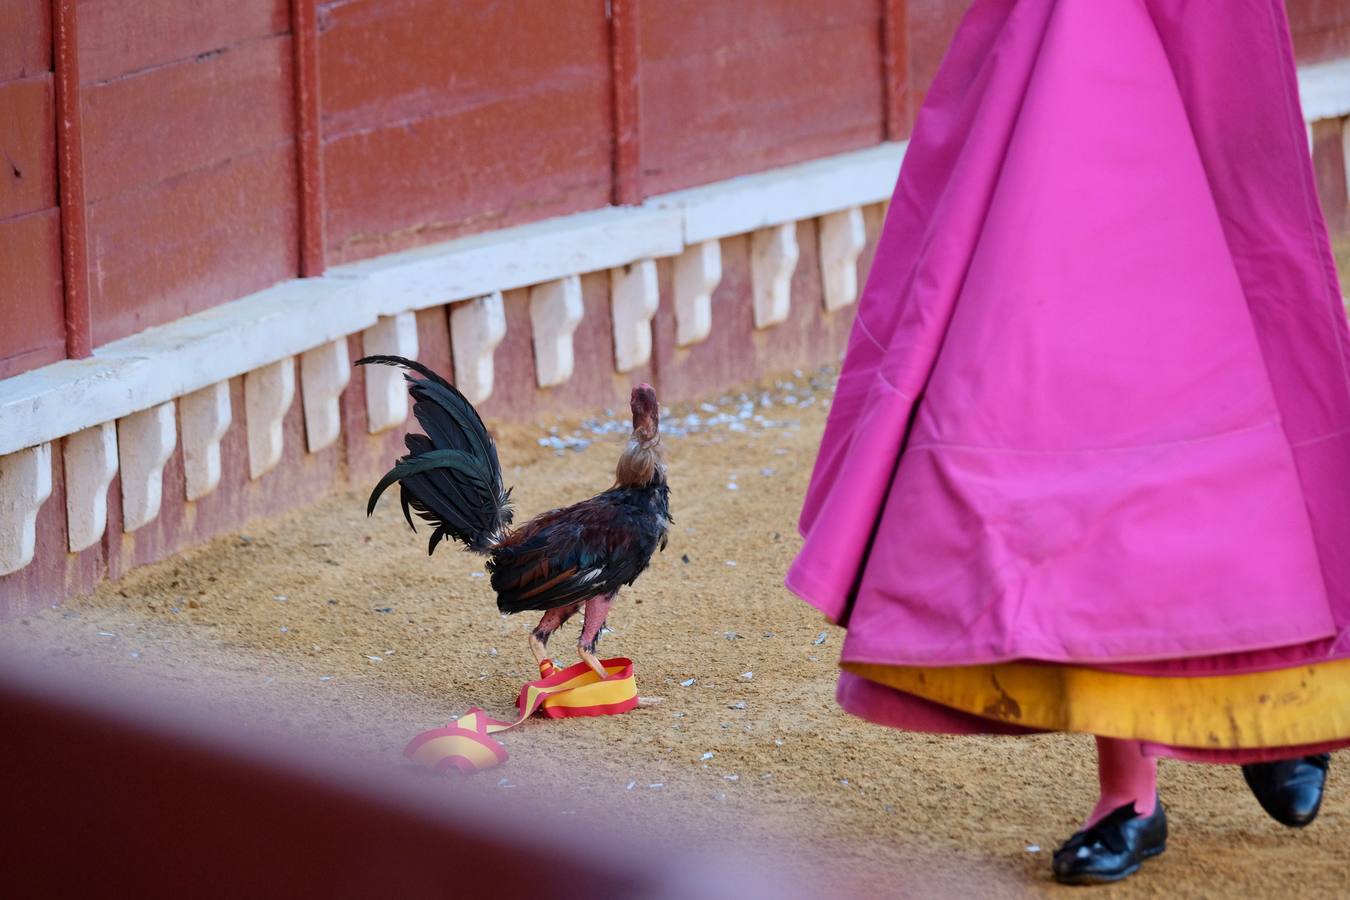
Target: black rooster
x=556 y=562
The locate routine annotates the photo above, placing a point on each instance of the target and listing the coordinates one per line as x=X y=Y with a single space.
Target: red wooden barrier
x=441 y=119
x=731 y=88
x=32 y=313
x=1321 y=28
x=106 y=794
x=189 y=159
x=309 y=149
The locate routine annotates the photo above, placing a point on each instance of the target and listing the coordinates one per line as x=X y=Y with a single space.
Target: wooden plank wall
x=1321 y=29
x=729 y=88
x=445 y=118
x=196 y=188
x=32 y=323
x=189 y=156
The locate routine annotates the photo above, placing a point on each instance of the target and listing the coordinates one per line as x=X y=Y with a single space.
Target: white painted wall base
x=205 y=417
x=386 y=391
x=476 y=328
x=25 y=484
x=698 y=271
x=634 y=295
x=145 y=440
x=268 y=393
x=1324 y=90
x=773 y=259
x=90 y=463
x=842 y=238
x=790 y=194
x=324 y=373
x=556 y=309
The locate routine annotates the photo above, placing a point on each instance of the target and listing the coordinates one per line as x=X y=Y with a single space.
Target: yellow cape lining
x=1280 y=708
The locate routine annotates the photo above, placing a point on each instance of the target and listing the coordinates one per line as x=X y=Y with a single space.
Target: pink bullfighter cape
x=1095 y=408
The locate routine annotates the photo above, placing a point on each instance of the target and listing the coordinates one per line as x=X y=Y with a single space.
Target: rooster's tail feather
x=451 y=476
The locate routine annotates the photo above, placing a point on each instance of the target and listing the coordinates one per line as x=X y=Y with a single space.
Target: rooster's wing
x=568 y=555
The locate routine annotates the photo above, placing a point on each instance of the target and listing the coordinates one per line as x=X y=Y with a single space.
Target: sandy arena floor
x=337 y=626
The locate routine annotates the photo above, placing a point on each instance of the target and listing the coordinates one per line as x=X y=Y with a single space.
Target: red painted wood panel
x=192 y=242
x=442 y=118
x=1321 y=28
x=183 y=117
x=25 y=38
x=32 y=322
x=895 y=67
x=28 y=142
x=729 y=88
x=32 y=318
x=118 y=37
x=932 y=24
x=1329 y=169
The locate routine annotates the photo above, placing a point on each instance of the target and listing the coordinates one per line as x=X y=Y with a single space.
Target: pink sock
x=1126 y=775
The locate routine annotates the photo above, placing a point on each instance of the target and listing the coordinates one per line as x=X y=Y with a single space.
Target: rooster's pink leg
x=553 y=620
x=597 y=610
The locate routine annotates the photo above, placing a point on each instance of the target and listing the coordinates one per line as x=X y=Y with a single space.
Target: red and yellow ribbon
x=466 y=745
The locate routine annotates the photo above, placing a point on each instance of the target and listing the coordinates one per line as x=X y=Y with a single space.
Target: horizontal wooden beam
x=804 y=191
x=515 y=257
x=1322 y=90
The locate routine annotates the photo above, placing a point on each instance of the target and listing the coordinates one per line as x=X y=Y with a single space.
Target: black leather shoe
x=1112 y=849
x=1290 y=790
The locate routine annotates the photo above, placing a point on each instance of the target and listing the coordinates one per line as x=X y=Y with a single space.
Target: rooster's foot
x=591 y=660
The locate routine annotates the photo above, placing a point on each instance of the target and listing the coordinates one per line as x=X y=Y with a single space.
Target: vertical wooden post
x=308 y=136
x=624 y=69
x=70 y=179
x=895 y=68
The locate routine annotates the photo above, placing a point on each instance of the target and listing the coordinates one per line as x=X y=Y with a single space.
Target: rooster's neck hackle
x=641 y=464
